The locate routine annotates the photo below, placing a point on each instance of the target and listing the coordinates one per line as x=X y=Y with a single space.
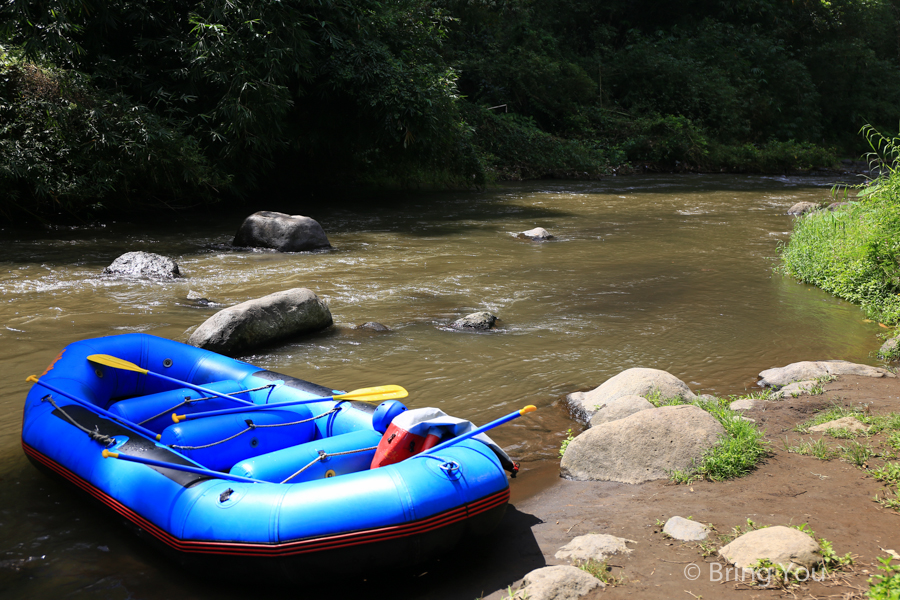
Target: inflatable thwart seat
x=308 y=481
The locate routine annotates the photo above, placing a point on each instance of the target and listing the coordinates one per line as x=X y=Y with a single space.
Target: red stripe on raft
x=342 y=540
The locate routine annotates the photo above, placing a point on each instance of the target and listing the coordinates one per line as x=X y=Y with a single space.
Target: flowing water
x=669 y=272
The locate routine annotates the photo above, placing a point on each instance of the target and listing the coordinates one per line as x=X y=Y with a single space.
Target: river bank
x=834 y=497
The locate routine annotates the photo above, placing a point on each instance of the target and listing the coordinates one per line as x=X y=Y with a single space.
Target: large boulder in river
x=809 y=369
x=645 y=446
x=262 y=321
x=143 y=264
x=285 y=233
x=636 y=382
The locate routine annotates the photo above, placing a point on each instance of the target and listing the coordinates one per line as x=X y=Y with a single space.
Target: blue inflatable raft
x=287 y=492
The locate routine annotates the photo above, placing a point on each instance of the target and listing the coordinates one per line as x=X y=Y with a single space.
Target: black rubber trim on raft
x=136 y=444
x=297 y=384
x=283 y=549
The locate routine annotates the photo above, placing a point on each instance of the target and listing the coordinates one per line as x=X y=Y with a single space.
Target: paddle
x=117 y=363
x=96 y=409
x=372 y=394
x=189 y=469
x=474 y=432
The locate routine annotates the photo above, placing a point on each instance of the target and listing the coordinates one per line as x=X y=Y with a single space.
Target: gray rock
x=801 y=208
x=619 y=408
x=285 y=233
x=836 y=205
x=849 y=423
x=643 y=447
x=796 y=389
x=631 y=382
x=596 y=546
x=784 y=546
x=481 y=321
x=143 y=264
x=262 y=321
x=802 y=371
x=747 y=404
x=685 y=530
x=560 y=582
x=373 y=326
x=537 y=234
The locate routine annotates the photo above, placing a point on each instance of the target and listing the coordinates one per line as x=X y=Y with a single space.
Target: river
x=673 y=272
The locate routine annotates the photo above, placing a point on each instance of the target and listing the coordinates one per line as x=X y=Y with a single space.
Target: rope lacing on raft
x=251 y=425
x=93 y=434
x=323 y=455
x=188 y=400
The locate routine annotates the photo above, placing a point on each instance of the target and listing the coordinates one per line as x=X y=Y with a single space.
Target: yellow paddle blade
x=375 y=394
x=116 y=363
x=528 y=409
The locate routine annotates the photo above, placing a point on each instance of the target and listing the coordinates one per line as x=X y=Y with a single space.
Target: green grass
x=888 y=473
x=565 y=443
x=602 y=571
x=818 y=449
x=738 y=450
x=854 y=252
x=886 y=585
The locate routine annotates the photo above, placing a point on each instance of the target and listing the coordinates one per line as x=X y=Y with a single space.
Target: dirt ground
x=833 y=497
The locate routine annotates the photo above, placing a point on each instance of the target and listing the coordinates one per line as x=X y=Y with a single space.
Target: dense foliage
x=209 y=95
x=854 y=251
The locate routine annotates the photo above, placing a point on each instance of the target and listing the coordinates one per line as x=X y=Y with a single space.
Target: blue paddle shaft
x=474 y=432
x=200 y=388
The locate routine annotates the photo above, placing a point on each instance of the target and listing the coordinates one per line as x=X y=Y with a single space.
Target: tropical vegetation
x=113 y=103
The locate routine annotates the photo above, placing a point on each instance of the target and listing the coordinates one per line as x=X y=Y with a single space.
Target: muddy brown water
x=670 y=272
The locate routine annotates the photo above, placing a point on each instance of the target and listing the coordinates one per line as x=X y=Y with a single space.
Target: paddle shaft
x=474 y=432
x=199 y=388
x=187 y=468
x=364 y=395
x=97 y=409
x=118 y=363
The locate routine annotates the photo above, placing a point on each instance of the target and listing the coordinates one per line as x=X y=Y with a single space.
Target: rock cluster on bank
x=645 y=446
x=811 y=370
x=631 y=382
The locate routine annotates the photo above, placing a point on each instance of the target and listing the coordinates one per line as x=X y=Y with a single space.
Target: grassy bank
x=854 y=251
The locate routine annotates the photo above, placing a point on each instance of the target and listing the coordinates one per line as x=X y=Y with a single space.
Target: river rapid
x=673 y=272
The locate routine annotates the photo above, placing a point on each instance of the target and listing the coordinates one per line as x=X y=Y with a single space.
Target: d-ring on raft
x=316 y=481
